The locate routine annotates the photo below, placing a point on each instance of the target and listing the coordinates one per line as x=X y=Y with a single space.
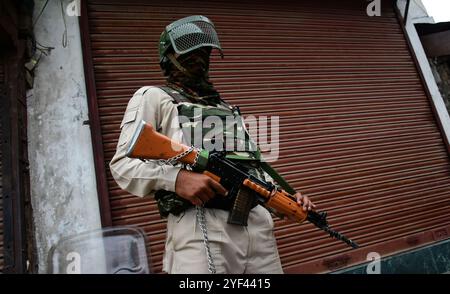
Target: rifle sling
x=277 y=177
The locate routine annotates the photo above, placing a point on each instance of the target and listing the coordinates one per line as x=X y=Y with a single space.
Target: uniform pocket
x=128 y=118
x=186 y=231
x=269 y=218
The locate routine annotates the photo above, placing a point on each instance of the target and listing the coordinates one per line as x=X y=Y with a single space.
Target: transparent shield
x=115 y=250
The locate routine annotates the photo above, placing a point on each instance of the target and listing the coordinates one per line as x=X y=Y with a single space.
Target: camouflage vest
x=211 y=127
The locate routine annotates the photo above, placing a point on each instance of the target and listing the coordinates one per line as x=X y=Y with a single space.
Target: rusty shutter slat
x=356 y=127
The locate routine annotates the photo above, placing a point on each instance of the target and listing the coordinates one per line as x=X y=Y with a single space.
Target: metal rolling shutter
x=2 y=79
x=357 y=130
x=1 y=207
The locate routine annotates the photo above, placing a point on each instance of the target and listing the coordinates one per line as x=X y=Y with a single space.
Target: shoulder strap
x=142 y=90
x=176 y=96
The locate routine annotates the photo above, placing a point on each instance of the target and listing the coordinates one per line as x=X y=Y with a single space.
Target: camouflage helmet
x=186 y=35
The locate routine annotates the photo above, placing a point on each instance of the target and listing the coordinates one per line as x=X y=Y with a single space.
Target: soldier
x=199 y=239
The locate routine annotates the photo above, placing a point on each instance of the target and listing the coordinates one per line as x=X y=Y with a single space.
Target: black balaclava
x=196 y=82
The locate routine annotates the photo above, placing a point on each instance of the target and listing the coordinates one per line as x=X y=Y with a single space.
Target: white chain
x=202 y=223
x=200 y=209
x=174 y=160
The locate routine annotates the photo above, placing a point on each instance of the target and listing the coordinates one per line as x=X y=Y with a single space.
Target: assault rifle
x=146 y=144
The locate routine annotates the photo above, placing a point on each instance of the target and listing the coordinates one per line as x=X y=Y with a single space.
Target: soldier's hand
x=304 y=201
x=196 y=187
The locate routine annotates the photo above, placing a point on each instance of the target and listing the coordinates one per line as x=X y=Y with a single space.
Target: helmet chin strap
x=178 y=65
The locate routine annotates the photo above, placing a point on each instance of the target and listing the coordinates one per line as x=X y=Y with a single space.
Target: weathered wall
x=63 y=187
x=417 y=14
x=441 y=71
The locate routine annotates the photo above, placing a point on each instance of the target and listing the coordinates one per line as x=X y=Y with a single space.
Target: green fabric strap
x=277 y=177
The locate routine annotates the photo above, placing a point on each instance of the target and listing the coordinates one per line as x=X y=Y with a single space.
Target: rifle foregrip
x=258 y=189
x=287 y=206
x=280 y=201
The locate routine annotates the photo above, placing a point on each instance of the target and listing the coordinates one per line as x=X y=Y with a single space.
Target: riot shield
x=114 y=250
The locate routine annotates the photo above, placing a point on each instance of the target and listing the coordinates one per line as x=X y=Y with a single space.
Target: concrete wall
x=441 y=70
x=418 y=14
x=417 y=11
x=63 y=187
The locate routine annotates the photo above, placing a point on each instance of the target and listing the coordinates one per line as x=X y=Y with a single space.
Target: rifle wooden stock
x=149 y=144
